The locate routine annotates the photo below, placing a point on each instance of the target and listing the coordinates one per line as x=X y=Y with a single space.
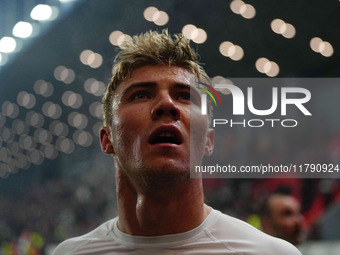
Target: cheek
x=286 y=223
x=126 y=135
x=121 y=129
x=198 y=125
x=198 y=134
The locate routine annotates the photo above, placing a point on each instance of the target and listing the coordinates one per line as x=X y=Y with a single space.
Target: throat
x=156 y=218
x=154 y=210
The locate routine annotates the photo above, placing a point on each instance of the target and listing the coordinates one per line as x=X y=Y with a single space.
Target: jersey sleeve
x=69 y=246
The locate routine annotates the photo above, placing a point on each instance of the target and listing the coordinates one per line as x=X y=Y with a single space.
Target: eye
x=184 y=96
x=188 y=97
x=140 y=95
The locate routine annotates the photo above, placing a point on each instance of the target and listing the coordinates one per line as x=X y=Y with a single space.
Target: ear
x=105 y=142
x=209 y=146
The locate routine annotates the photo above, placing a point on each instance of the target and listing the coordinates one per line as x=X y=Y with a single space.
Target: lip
x=166 y=128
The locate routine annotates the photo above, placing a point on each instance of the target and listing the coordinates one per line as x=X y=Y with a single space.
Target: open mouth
x=167 y=134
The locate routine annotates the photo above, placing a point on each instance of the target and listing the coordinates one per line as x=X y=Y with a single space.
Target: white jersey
x=218 y=234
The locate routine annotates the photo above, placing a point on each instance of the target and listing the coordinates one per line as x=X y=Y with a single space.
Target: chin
x=169 y=168
x=161 y=179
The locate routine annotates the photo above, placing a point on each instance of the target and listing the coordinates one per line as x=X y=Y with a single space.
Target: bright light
x=221 y=80
x=228 y=49
x=314 y=44
x=94 y=87
x=49 y=151
x=41 y=12
x=121 y=39
x=7 y=135
x=260 y=63
x=149 y=12
x=65 y=145
x=19 y=127
x=160 y=18
x=77 y=120
x=326 y=49
x=96 y=109
x=114 y=37
x=34 y=119
x=10 y=109
x=51 y=110
x=117 y=38
x=237 y=54
x=3 y=59
x=276 y=25
x=66 y=75
x=236 y=5
x=322 y=47
x=59 y=128
x=84 y=56
x=97 y=60
x=90 y=58
x=224 y=48
x=282 y=28
x=82 y=138
x=22 y=29
x=248 y=11
x=289 y=32
x=273 y=70
x=200 y=36
x=152 y=14
x=188 y=29
x=7 y=44
x=36 y=157
x=26 y=99
x=267 y=67
x=72 y=99
x=43 y=88
x=245 y=10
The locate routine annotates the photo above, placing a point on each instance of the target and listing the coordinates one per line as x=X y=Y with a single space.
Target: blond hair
x=150 y=48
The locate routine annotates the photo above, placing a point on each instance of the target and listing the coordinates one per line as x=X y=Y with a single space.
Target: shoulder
x=71 y=245
x=241 y=236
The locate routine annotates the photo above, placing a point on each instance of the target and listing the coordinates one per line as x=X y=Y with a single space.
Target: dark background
x=74 y=192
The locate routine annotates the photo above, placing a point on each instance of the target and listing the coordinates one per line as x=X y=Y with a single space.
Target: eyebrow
x=153 y=85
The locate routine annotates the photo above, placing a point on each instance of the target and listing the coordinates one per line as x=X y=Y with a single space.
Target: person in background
x=281 y=217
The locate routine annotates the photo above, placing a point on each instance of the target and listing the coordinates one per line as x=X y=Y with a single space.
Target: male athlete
x=149 y=107
x=282 y=218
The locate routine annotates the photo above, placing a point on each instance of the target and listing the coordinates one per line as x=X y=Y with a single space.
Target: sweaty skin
x=153 y=180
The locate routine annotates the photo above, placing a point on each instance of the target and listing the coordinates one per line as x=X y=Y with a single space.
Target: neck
x=159 y=205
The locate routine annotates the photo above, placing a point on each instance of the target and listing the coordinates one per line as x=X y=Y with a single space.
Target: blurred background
x=55 y=61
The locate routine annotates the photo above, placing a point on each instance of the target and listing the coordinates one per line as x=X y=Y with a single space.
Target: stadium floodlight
x=7 y=44
x=22 y=29
x=41 y=12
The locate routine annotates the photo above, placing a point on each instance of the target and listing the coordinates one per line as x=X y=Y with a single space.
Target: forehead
x=284 y=202
x=161 y=74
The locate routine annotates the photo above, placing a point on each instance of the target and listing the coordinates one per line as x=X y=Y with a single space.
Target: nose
x=299 y=219
x=165 y=107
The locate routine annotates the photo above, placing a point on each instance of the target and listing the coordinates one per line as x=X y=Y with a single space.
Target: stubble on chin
x=157 y=182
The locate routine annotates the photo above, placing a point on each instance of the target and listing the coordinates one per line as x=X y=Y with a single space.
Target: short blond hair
x=151 y=48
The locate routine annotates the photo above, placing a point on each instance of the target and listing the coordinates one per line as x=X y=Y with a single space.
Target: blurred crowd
x=66 y=206
x=60 y=208
x=53 y=211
